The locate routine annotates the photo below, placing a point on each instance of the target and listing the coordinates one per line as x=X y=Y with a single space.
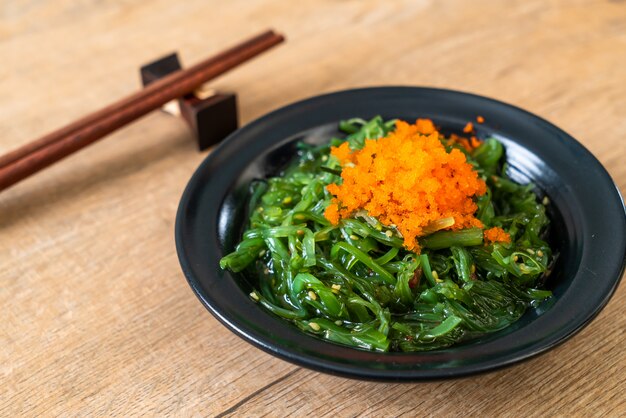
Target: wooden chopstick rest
x=211 y=115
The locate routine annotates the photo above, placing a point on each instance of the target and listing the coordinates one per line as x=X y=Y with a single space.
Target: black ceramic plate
x=588 y=224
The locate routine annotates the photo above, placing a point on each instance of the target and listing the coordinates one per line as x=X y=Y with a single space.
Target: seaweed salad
x=396 y=238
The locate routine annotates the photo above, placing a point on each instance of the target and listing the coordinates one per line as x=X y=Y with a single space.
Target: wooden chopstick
x=36 y=155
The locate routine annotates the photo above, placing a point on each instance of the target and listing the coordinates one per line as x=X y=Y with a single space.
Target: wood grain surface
x=97 y=318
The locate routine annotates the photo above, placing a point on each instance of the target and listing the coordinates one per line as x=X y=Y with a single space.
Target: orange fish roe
x=332 y=212
x=496 y=234
x=468 y=144
x=406 y=179
x=480 y=119
x=468 y=128
x=425 y=126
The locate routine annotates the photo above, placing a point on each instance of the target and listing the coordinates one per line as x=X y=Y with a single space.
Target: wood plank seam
x=256 y=393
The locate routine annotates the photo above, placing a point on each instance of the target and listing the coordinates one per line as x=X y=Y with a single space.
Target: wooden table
x=97 y=318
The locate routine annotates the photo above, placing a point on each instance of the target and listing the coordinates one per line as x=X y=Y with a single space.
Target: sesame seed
x=312 y=295
x=336 y=286
x=435 y=275
x=354 y=237
x=339 y=322
x=473 y=268
x=545 y=200
x=531 y=251
x=314 y=326
x=287 y=200
x=299 y=232
x=388 y=233
x=266 y=270
x=515 y=258
x=254 y=296
x=261 y=253
x=260 y=209
x=324 y=158
x=540 y=253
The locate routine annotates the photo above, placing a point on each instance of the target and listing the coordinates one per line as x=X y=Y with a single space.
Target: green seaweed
x=355 y=284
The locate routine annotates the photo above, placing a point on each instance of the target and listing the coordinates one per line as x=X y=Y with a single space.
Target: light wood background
x=96 y=317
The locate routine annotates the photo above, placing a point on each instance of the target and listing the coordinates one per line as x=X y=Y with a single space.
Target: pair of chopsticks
x=36 y=155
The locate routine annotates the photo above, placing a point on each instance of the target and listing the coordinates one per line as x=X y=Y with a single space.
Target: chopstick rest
x=211 y=115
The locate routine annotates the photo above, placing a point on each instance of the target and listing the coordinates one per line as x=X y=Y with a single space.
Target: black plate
x=588 y=224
